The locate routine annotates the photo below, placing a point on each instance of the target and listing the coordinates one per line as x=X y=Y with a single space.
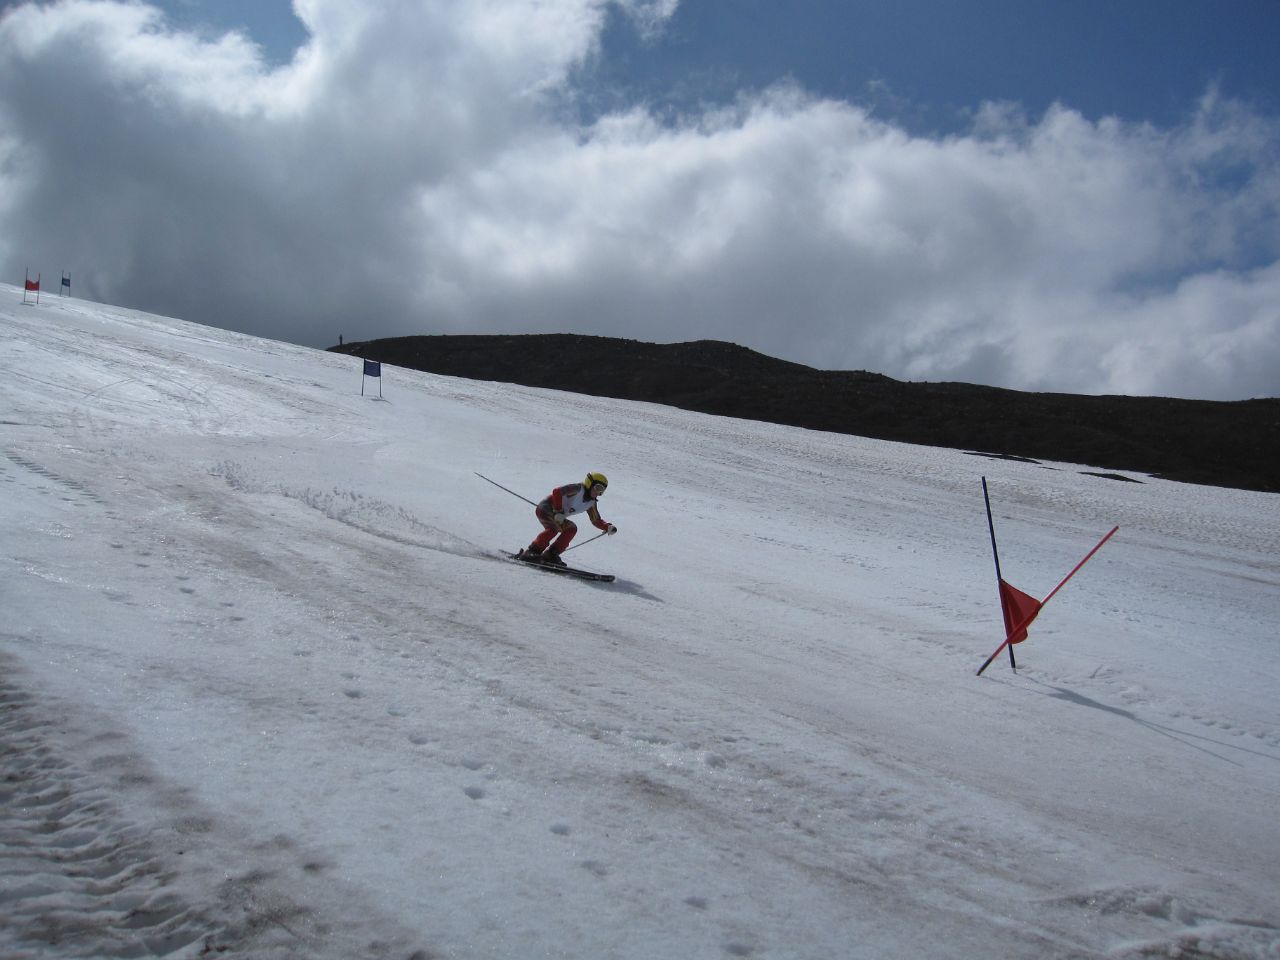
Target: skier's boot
x=531 y=554
x=551 y=557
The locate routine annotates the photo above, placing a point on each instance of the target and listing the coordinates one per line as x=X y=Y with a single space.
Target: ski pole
x=512 y=492
x=585 y=542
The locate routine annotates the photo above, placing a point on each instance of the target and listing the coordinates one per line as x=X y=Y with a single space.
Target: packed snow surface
x=271 y=689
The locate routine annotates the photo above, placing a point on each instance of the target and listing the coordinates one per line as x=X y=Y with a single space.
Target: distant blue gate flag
x=372 y=368
x=66 y=281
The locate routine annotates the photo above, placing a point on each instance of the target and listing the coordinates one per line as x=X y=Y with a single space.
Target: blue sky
x=1071 y=196
x=924 y=63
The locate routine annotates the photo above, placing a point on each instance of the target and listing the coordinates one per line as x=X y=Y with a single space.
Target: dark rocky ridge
x=1231 y=444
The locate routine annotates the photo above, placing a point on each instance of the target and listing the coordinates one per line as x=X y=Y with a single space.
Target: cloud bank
x=420 y=167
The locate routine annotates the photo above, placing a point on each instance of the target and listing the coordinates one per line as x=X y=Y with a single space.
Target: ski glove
x=558 y=519
x=611 y=529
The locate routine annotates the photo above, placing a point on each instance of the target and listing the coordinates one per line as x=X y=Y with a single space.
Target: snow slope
x=270 y=690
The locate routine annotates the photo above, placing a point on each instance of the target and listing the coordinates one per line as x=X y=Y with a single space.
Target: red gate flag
x=1019 y=610
x=34 y=284
x=1024 y=608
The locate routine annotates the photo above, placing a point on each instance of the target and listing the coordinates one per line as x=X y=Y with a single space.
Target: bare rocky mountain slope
x=1232 y=444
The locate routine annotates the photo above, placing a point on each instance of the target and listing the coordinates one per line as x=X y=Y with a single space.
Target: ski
x=565 y=571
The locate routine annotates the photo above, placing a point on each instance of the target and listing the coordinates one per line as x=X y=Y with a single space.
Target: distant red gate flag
x=34 y=284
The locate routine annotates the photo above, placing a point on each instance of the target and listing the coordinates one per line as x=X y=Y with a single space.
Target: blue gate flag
x=372 y=368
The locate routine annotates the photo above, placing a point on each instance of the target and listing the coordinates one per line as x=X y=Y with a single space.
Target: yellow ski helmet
x=594 y=478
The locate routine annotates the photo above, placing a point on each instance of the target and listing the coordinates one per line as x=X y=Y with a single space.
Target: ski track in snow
x=87 y=875
x=266 y=691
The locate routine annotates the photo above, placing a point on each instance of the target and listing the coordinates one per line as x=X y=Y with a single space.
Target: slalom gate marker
x=372 y=368
x=1018 y=608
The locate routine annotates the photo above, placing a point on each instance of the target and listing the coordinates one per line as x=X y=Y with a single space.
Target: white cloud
x=414 y=163
x=1221 y=327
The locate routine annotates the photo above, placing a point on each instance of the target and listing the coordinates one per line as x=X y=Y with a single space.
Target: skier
x=554 y=512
